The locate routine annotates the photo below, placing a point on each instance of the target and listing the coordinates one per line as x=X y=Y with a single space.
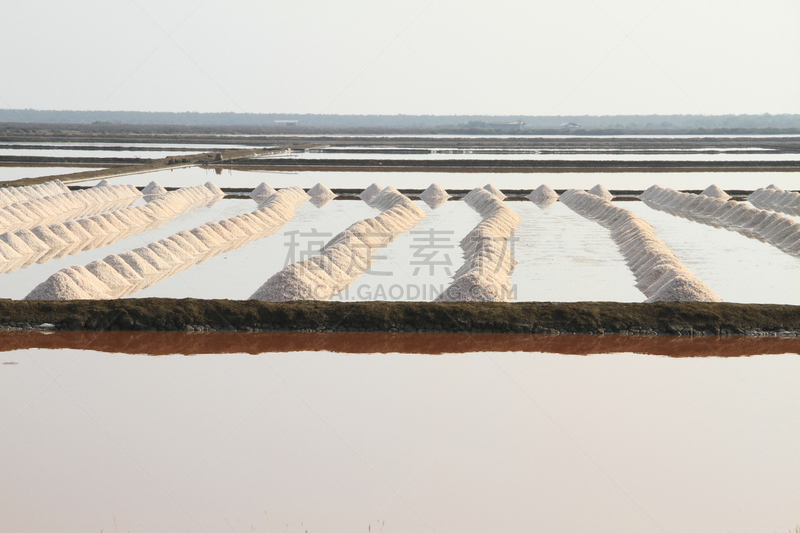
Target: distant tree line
x=456 y=123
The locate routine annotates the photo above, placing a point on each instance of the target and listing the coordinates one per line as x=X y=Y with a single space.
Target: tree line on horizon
x=443 y=122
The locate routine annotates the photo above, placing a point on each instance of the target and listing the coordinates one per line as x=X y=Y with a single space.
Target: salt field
x=577 y=247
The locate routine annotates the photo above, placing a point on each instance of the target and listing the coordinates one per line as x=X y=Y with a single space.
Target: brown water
x=181 y=343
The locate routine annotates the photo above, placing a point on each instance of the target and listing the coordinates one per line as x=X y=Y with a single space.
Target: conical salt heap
x=714 y=191
x=103 y=183
x=153 y=189
x=262 y=192
x=320 y=191
x=370 y=193
x=435 y=196
x=434 y=190
x=602 y=192
x=543 y=196
x=495 y=191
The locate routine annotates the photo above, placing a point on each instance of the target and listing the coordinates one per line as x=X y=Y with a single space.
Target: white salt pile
x=103 y=183
x=489 y=261
x=543 y=196
x=434 y=196
x=601 y=192
x=714 y=191
x=495 y=191
x=370 y=193
x=320 y=191
x=766 y=226
x=434 y=190
x=144 y=266
x=347 y=255
x=262 y=192
x=651 y=261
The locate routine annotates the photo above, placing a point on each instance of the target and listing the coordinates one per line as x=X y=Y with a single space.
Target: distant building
x=286 y=122
x=506 y=126
x=571 y=125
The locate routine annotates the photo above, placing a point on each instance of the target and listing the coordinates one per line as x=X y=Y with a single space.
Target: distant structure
x=286 y=122
x=571 y=126
x=506 y=126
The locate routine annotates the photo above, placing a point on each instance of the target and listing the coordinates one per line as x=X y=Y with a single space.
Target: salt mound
x=684 y=289
x=543 y=196
x=542 y=192
x=773 y=186
x=602 y=192
x=262 y=192
x=110 y=277
x=434 y=190
x=103 y=183
x=154 y=189
x=714 y=191
x=216 y=191
x=320 y=191
x=59 y=286
x=495 y=191
x=370 y=193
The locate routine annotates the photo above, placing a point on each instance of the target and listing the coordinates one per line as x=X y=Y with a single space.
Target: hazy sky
x=415 y=56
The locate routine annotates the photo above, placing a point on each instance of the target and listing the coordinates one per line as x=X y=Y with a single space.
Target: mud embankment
x=507 y=165
x=157 y=314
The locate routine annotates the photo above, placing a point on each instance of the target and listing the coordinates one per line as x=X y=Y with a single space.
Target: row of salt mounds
x=659 y=274
x=124 y=274
x=434 y=196
x=345 y=257
x=66 y=206
x=766 y=226
x=41 y=244
x=773 y=198
x=11 y=195
x=489 y=262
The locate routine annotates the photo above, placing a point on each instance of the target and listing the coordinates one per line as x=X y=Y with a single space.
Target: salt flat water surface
x=18 y=173
x=330 y=442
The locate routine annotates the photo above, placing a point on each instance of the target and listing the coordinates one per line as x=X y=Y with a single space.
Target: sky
x=439 y=57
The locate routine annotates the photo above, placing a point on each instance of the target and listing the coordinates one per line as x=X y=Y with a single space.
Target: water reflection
x=168 y=343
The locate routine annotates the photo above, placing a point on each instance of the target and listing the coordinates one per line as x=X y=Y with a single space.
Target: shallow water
x=18 y=173
x=528 y=155
x=105 y=154
x=321 y=441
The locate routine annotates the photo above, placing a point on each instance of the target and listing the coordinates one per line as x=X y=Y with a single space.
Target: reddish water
x=164 y=343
